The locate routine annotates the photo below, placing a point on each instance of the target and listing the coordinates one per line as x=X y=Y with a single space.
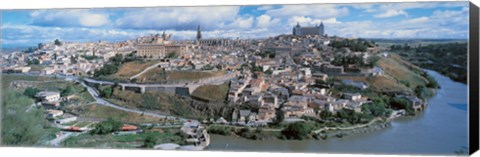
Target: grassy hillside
x=378 y=83
x=132 y=68
x=22 y=124
x=402 y=71
x=125 y=141
x=9 y=78
x=153 y=75
x=104 y=112
x=158 y=74
x=192 y=75
x=400 y=75
x=212 y=92
x=156 y=101
x=49 y=84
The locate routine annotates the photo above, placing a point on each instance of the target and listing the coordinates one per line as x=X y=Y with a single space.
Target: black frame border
x=473 y=78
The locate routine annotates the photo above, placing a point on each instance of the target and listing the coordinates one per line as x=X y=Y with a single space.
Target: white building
x=48 y=96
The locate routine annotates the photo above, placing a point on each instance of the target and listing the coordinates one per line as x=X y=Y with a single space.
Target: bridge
x=183 y=88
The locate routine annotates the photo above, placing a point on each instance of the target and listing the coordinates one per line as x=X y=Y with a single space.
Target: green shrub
x=221 y=130
x=31 y=92
x=402 y=103
x=297 y=130
x=108 y=126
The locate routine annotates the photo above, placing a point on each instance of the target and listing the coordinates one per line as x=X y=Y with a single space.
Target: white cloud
x=391 y=13
x=417 y=20
x=241 y=23
x=452 y=17
x=315 y=11
x=28 y=35
x=385 y=10
x=70 y=18
x=308 y=21
x=180 y=18
x=93 y=20
x=420 y=5
x=264 y=21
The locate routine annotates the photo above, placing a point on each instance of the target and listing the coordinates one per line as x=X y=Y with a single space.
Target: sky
x=432 y=20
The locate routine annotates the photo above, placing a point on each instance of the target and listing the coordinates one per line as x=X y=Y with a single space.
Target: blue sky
x=367 y=20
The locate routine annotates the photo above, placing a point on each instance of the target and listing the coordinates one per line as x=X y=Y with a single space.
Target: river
x=440 y=130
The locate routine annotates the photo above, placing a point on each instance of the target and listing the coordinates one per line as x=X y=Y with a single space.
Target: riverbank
x=272 y=134
x=441 y=129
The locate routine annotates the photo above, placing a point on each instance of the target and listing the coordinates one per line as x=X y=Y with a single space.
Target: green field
x=125 y=141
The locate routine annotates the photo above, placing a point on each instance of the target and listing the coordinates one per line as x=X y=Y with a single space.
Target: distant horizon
x=426 y=20
x=433 y=39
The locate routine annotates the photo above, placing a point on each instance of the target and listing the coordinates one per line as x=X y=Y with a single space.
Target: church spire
x=199 y=33
x=164 y=36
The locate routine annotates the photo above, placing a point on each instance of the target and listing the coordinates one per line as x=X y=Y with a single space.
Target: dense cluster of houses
x=70 y=58
x=293 y=70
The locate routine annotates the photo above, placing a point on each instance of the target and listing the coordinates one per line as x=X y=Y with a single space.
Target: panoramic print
x=375 y=78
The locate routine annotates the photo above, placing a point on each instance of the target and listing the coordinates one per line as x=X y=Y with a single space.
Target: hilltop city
x=300 y=85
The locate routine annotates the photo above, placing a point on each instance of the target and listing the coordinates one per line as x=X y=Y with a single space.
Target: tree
x=107 y=69
x=207 y=67
x=279 y=117
x=349 y=115
x=432 y=83
x=372 y=60
x=297 y=130
x=133 y=80
x=325 y=114
x=257 y=68
x=375 y=109
x=117 y=59
x=402 y=103
x=33 y=62
x=218 y=66
x=150 y=141
x=67 y=91
x=57 y=42
x=107 y=92
x=422 y=92
x=172 y=55
x=31 y=92
x=108 y=126
x=269 y=72
x=342 y=114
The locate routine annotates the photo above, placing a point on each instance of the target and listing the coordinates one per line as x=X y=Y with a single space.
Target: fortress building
x=303 y=31
x=158 y=47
